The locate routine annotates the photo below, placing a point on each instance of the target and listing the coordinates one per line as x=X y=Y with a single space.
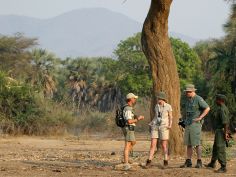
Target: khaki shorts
x=161 y=133
x=129 y=135
x=192 y=134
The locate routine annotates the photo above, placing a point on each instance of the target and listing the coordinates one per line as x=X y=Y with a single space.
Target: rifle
x=227 y=141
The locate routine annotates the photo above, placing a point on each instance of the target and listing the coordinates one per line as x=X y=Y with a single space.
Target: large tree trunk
x=157 y=48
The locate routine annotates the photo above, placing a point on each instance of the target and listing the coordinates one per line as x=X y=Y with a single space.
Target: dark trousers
x=219 y=148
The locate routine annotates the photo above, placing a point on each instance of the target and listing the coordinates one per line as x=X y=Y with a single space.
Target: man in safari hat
x=194 y=109
x=128 y=130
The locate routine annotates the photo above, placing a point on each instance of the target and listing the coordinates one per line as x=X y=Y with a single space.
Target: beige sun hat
x=131 y=95
x=190 y=88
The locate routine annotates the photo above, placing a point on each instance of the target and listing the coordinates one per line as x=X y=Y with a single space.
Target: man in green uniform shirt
x=193 y=112
x=220 y=126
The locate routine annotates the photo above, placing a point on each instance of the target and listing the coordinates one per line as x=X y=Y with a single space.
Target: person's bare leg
x=199 y=152
x=188 y=162
x=133 y=143
x=126 y=152
x=131 y=148
x=165 y=149
x=189 y=152
x=199 y=156
x=152 y=148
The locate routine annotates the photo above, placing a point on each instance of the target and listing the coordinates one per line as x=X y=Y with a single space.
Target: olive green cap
x=190 y=88
x=221 y=96
x=161 y=96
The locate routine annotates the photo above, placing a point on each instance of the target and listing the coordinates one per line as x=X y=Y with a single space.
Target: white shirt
x=129 y=115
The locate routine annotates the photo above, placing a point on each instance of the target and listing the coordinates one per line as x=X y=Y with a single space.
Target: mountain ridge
x=86 y=32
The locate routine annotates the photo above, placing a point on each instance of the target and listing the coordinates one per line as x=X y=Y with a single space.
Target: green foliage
x=130 y=55
x=96 y=72
x=230 y=27
x=206 y=150
x=219 y=59
x=188 y=62
x=140 y=84
x=31 y=76
x=14 y=54
x=223 y=76
x=16 y=102
x=92 y=69
x=133 y=67
x=24 y=111
x=88 y=82
x=135 y=71
x=44 y=68
x=55 y=118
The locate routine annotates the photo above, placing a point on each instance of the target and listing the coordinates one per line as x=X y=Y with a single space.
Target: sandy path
x=36 y=157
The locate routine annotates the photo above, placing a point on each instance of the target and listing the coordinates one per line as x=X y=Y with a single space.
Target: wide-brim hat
x=131 y=95
x=190 y=88
x=161 y=96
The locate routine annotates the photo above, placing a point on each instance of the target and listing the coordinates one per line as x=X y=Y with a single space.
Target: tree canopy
x=219 y=57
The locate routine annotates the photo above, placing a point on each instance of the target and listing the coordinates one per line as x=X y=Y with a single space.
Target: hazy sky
x=199 y=19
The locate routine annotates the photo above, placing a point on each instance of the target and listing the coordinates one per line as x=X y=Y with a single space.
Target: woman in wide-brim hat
x=160 y=126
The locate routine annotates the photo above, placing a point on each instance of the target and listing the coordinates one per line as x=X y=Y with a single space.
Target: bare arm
x=170 y=119
x=204 y=113
x=131 y=121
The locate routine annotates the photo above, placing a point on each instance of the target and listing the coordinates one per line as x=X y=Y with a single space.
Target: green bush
x=56 y=118
x=22 y=110
x=17 y=102
x=206 y=150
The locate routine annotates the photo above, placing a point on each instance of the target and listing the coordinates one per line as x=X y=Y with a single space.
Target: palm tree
x=222 y=65
x=43 y=71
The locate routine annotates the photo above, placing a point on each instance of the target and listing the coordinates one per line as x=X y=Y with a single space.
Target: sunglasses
x=188 y=91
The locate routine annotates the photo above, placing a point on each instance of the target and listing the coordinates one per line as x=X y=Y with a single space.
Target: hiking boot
x=222 y=169
x=199 y=163
x=187 y=164
x=212 y=164
x=148 y=163
x=127 y=167
x=165 y=163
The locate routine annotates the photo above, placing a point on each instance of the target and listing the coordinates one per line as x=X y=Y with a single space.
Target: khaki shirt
x=165 y=111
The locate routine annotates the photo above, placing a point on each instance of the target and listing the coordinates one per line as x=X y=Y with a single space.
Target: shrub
x=22 y=110
x=206 y=150
x=93 y=121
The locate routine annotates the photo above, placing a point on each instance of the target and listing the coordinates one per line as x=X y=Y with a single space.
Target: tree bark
x=157 y=49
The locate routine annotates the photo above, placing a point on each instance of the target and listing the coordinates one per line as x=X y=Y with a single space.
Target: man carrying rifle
x=220 y=126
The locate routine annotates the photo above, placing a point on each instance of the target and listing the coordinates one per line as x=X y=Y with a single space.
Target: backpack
x=120 y=120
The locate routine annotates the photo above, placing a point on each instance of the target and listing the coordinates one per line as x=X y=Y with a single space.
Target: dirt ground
x=87 y=156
